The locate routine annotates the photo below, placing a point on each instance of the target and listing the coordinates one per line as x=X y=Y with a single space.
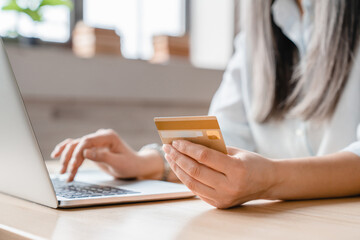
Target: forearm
x=335 y=175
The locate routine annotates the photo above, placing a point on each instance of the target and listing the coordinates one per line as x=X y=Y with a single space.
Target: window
x=137 y=21
x=54 y=28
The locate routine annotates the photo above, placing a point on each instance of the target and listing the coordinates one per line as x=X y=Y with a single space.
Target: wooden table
x=183 y=219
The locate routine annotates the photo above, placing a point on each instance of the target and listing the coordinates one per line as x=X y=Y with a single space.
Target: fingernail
x=166 y=148
x=175 y=143
x=70 y=178
x=92 y=154
x=87 y=153
x=168 y=157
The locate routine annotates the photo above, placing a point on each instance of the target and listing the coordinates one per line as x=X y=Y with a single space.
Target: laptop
x=23 y=172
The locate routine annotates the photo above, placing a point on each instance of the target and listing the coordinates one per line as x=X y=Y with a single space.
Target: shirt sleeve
x=354 y=147
x=228 y=105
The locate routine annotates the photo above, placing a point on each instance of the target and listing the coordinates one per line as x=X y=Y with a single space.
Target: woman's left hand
x=219 y=179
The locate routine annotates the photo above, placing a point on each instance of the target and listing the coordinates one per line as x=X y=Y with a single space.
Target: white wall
x=69 y=97
x=55 y=73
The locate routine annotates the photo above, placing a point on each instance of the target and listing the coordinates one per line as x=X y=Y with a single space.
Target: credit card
x=204 y=130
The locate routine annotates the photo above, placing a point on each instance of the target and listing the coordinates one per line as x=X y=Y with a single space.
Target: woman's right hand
x=110 y=153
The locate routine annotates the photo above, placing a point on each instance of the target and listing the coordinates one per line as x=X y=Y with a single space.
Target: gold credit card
x=202 y=130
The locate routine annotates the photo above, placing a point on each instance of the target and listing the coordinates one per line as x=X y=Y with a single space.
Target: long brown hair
x=309 y=87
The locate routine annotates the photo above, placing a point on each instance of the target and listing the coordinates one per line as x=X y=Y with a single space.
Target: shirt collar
x=298 y=29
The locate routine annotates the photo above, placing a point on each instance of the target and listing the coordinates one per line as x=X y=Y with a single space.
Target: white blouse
x=291 y=137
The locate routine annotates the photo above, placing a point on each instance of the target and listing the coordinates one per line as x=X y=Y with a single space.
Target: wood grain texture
x=186 y=219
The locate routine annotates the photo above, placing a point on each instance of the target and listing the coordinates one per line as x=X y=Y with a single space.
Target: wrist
x=275 y=181
x=152 y=164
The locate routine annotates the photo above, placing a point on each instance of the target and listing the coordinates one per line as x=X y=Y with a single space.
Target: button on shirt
x=289 y=138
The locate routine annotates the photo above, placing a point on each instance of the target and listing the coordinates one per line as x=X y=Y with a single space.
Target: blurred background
x=86 y=64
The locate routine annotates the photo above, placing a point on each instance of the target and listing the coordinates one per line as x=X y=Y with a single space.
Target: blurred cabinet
x=54 y=121
x=67 y=96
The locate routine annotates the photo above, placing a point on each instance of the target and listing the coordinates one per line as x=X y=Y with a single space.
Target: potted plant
x=33 y=9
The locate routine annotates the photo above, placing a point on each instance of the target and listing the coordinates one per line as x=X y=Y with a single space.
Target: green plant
x=33 y=8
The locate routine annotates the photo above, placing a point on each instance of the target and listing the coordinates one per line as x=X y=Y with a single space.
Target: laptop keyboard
x=85 y=190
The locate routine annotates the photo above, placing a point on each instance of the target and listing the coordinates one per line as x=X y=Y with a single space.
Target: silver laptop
x=23 y=172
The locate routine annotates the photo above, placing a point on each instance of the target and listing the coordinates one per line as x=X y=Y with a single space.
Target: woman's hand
x=219 y=179
x=111 y=154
